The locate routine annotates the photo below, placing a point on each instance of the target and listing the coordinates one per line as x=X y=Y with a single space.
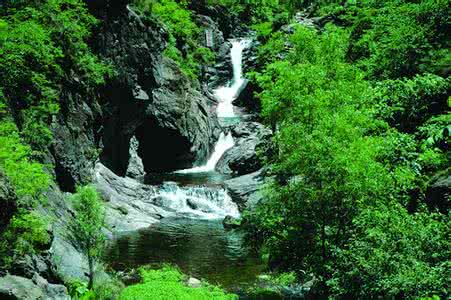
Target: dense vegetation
x=360 y=113
x=359 y=108
x=42 y=45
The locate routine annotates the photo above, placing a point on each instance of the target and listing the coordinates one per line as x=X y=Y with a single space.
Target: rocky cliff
x=147 y=97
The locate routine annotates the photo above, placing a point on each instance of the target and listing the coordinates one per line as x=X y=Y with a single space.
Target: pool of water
x=200 y=248
x=211 y=178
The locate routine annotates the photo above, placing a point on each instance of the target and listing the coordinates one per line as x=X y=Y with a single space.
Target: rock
x=246 y=98
x=8 y=201
x=31 y=264
x=180 y=120
x=51 y=291
x=439 y=191
x=75 y=146
x=242 y=158
x=246 y=190
x=129 y=205
x=15 y=287
x=150 y=98
x=194 y=283
x=212 y=27
x=230 y=222
x=135 y=165
x=222 y=72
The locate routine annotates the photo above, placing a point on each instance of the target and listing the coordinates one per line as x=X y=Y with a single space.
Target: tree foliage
x=361 y=123
x=85 y=229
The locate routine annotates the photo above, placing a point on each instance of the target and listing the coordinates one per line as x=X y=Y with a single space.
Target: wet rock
x=243 y=158
x=220 y=73
x=246 y=98
x=245 y=190
x=180 y=120
x=126 y=195
x=135 y=165
x=194 y=283
x=15 y=287
x=230 y=222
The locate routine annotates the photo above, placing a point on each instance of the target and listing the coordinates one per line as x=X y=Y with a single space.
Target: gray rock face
x=74 y=149
x=127 y=201
x=242 y=158
x=179 y=119
x=246 y=98
x=15 y=287
x=150 y=99
x=135 y=164
x=8 y=200
x=245 y=190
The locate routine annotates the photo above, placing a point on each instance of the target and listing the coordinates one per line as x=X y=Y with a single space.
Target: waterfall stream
x=225 y=96
x=195 y=239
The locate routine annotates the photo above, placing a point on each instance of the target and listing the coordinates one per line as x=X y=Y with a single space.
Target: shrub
x=167 y=283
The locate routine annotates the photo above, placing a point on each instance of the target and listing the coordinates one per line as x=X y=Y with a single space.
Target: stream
x=196 y=241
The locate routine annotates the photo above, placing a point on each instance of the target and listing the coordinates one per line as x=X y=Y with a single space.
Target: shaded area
x=200 y=248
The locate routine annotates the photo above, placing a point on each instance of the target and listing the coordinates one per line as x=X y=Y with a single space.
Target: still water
x=200 y=248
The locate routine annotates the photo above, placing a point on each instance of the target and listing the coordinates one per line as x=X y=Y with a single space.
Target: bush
x=25 y=234
x=184 y=35
x=168 y=283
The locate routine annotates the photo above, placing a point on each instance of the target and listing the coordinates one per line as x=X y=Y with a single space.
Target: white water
x=227 y=94
x=198 y=202
x=224 y=143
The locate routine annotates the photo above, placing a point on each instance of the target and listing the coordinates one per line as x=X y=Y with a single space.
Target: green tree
x=85 y=229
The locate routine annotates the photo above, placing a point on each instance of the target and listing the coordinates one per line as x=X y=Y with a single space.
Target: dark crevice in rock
x=162 y=149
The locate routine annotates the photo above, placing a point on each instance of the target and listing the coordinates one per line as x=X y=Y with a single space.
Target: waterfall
x=227 y=94
x=198 y=202
x=224 y=143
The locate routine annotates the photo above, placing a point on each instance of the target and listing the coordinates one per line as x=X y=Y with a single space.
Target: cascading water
x=227 y=94
x=196 y=202
x=195 y=239
x=224 y=143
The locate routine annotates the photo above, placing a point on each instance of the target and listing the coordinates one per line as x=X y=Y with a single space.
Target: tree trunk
x=91 y=272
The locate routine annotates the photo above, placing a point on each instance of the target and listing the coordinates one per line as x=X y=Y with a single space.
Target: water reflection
x=201 y=248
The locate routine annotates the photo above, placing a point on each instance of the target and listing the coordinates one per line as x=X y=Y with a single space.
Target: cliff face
x=148 y=97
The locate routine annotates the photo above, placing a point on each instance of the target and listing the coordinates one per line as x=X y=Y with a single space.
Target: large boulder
x=243 y=158
x=127 y=201
x=37 y=288
x=246 y=98
x=75 y=142
x=245 y=190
